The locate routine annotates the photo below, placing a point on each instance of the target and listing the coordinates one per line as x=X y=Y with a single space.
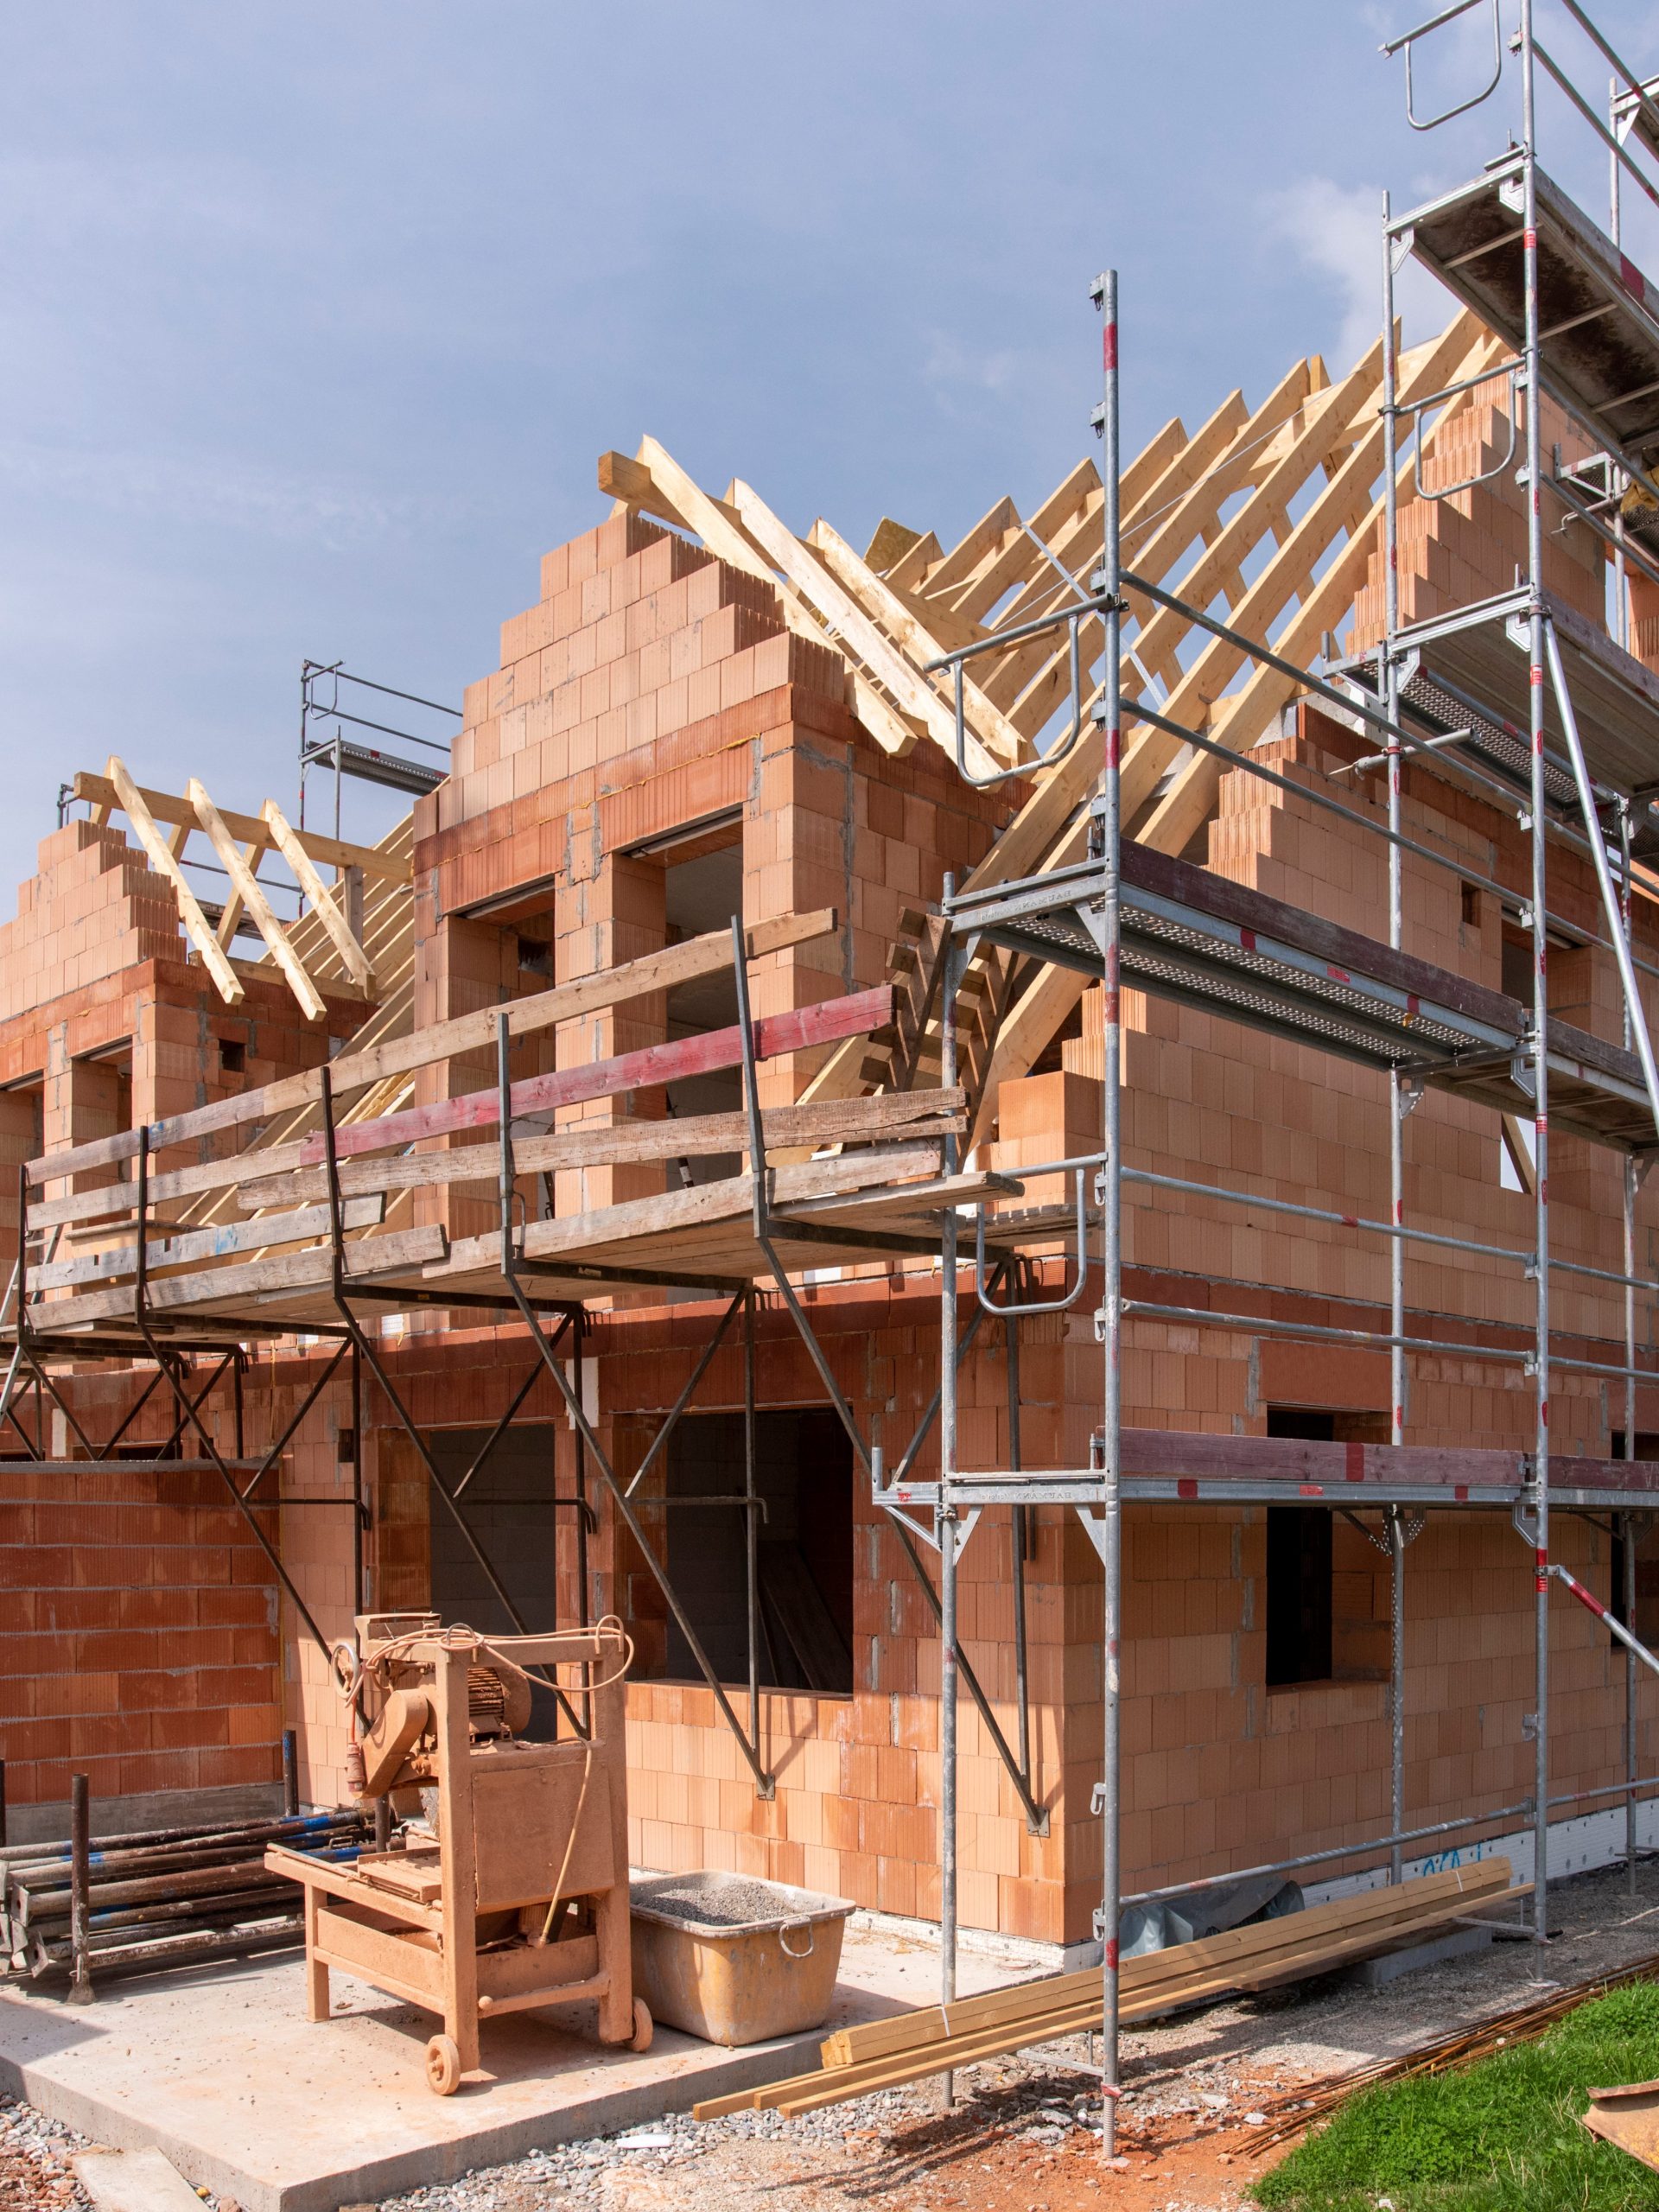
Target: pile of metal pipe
x=158 y=1897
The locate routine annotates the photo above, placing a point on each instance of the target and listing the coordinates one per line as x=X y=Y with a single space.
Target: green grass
x=1501 y=2136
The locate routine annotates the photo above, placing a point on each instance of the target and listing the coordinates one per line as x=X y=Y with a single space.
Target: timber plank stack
x=886 y=2054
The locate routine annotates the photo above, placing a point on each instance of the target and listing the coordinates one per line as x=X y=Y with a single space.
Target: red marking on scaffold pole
x=1528 y=240
x=1109 y=345
x=1247 y=940
x=1312 y=1489
x=1186 y=1486
x=1111 y=1953
x=1114 y=746
x=1338 y=975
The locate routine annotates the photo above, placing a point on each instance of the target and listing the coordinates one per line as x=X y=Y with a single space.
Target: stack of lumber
x=886 y=2054
x=165 y=1897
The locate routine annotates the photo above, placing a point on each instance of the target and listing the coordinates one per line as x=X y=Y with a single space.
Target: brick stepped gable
x=94 y=908
x=638 y=634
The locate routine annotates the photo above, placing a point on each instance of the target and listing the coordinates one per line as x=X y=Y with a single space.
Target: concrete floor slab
x=219 y=2068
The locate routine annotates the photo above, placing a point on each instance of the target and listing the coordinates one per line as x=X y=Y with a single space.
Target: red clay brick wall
x=138 y=1636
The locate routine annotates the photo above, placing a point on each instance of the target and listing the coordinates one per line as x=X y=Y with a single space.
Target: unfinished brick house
x=704 y=716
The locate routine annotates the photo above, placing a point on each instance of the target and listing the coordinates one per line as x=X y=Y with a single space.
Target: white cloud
x=953 y=370
x=1336 y=231
x=185 y=488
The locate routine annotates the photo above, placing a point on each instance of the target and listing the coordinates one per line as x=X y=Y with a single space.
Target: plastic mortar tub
x=732 y=1959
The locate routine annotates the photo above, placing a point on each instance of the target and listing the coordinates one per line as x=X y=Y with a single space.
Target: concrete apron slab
x=219 y=2070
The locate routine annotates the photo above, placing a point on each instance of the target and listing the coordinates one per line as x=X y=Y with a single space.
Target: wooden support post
x=80 y=1881
x=317 y=2004
x=457 y=1858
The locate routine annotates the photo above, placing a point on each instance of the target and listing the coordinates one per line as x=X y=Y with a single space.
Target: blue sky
x=313 y=320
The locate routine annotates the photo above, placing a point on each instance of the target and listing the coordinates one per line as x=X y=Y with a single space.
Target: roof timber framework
x=1264 y=517
x=326 y=950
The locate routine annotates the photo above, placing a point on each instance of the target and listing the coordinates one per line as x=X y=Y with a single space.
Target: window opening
x=804 y=1475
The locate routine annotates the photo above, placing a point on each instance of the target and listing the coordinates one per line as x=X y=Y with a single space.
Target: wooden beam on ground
x=245 y=886
x=291 y=846
x=166 y=806
x=134 y=805
x=884 y=2054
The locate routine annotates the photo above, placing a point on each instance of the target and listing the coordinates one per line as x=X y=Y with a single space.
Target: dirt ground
x=1022 y=2136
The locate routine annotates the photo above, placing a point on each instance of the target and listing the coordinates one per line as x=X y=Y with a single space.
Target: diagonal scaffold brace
x=513 y=1269
x=372 y=1360
x=1036 y=1816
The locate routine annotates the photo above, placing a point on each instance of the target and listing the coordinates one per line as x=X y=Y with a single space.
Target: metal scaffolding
x=1583 y=326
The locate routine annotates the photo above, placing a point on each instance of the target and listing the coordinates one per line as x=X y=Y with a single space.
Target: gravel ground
x=1023 y=2135
x=34 y=2168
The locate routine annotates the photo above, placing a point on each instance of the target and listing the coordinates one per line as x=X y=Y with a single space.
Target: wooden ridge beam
x=250 y=828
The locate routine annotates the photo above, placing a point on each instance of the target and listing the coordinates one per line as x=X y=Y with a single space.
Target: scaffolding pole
x=1110 y=1322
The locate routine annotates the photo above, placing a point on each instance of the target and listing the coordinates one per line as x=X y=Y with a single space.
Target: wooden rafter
x=134 y=804
x=241 y=842
x=245 y=888
x=291 y=846
x=655 y=481
x=100 y=792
